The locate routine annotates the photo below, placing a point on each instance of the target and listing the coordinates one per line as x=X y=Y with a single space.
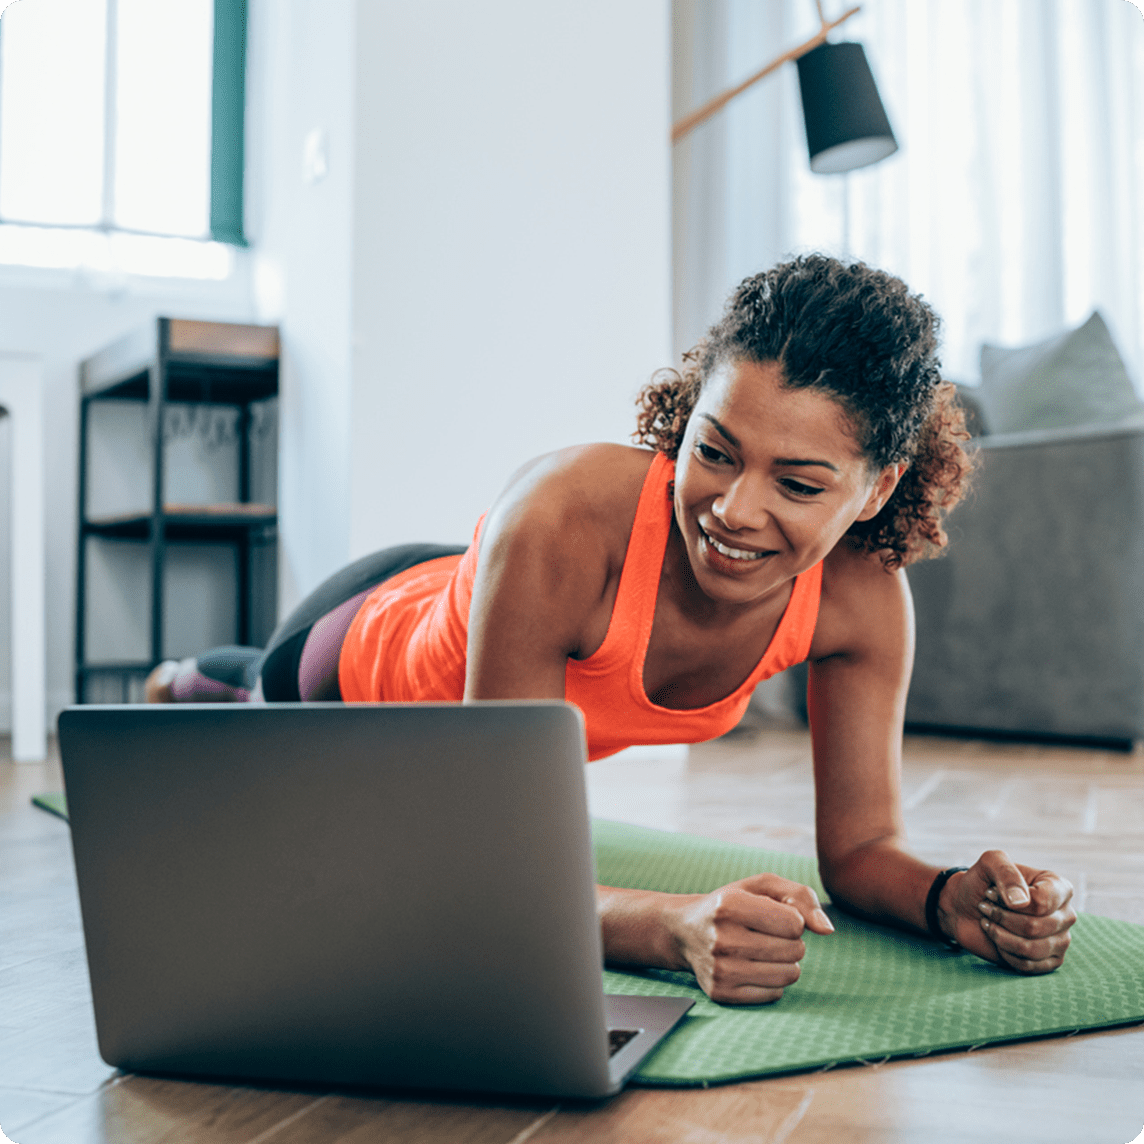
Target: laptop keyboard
x=617 y=1038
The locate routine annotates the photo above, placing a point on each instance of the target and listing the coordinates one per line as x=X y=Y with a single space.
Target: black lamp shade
x=846 y=124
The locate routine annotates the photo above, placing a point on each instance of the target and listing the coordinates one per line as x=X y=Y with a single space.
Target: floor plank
x=753 y=1113
x=359 y=1120
x=20 y=1107
x=1074 y=1091
x=57 y=1055
x=143 y=1110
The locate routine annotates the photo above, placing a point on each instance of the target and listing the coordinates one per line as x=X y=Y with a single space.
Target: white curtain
x=1016 y=202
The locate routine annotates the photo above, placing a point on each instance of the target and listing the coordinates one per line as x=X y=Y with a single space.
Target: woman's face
x=767 y=482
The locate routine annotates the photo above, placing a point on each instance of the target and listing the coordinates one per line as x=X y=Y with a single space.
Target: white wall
x=511 y=257
x=300 y=73
x=481 y=275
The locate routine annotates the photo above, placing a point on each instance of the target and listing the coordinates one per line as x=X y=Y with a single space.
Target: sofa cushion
x=1073 y=379
x=969 y=398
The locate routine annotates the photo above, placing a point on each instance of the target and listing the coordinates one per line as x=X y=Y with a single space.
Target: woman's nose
x=740 y=507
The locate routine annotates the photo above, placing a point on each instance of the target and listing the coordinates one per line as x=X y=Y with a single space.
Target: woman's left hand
x=1011 y=914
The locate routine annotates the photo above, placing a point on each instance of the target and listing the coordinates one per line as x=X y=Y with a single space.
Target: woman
x=806 y=454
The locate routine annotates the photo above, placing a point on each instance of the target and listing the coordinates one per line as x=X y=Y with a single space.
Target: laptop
x=381 y=895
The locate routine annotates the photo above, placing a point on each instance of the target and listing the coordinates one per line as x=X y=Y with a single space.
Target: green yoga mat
x=53 y=803
x=866 y=992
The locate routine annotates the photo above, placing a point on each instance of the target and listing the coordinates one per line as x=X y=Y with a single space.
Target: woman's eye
x=708 y=453
x=800 y=489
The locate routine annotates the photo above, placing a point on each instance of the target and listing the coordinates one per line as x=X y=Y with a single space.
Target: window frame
x=228 y=122
x=228 y=134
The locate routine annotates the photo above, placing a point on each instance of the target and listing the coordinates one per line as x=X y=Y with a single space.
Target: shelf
x=188 y=522
x=206 y=361
x=177 y=360
x=118 y=667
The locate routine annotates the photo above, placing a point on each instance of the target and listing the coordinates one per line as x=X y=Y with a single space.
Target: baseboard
x=1104 y=742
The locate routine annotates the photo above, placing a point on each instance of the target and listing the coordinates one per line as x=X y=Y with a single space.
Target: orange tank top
x=407 y=642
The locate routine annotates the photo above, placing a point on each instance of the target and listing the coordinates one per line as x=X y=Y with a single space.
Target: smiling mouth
x=743 y=554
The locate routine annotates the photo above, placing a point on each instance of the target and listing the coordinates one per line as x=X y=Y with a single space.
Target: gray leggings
x=300 y=663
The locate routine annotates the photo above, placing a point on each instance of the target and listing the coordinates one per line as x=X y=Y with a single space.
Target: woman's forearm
x=880 y=881
x=633 y=924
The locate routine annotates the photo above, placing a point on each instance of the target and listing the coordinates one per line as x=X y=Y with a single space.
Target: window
x=121 y=121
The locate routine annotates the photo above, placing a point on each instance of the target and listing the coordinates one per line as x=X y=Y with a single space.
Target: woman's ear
x=882 y=490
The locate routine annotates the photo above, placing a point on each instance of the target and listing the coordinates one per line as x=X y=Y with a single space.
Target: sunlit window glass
x=163 y=108
x=52 y=55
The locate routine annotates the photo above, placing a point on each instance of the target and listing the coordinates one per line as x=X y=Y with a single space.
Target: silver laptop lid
x=340 y=894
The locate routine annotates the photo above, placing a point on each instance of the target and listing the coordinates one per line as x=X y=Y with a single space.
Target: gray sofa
x=1032 y=624
x=1033 y=621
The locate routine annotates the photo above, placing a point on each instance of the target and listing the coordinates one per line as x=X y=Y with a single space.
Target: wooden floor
x=1080 y=812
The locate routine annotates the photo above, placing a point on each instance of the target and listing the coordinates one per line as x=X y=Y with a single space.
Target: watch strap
x=932 y=897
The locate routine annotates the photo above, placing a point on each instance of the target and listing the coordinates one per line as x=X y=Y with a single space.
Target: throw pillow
x=1076 y=378
x=969 y=398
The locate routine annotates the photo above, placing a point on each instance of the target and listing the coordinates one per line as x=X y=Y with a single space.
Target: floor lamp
x=846 y=124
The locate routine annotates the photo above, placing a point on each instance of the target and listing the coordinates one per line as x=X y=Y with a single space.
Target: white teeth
x=731 y=553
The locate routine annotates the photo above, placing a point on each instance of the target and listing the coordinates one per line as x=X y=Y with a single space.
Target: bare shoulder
x=864 y=607
x=581 y=498
x=552 y=551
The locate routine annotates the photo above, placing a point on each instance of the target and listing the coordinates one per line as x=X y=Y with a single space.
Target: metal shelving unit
x=189 y=362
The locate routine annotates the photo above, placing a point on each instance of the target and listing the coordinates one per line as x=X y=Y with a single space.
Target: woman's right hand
x=743 y=941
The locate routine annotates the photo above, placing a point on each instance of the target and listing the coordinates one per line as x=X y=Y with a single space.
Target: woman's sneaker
x=157 y=688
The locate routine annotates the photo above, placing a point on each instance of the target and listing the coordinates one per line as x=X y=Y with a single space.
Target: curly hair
x=857 y=335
